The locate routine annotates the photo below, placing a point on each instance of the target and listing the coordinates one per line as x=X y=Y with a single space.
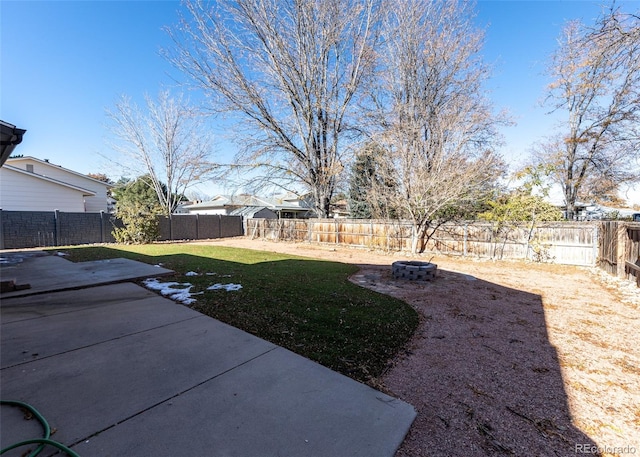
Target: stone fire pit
x=414 y=270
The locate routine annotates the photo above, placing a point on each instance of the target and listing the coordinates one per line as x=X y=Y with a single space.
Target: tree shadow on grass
x=480 y=370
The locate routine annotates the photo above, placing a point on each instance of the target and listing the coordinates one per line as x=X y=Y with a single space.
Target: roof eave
x=10 y=137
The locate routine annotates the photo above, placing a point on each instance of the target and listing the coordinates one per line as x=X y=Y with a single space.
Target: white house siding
x=21 y=192
x=92 y=204
x=221 y=211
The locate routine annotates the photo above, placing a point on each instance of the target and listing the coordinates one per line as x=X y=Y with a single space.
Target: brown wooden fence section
x=565 y=243
x=619 y=249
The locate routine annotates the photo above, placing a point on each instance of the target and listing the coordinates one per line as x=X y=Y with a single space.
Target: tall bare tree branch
x=166 y=142
x=596 y=82
x=289 y=71
x=431 y=113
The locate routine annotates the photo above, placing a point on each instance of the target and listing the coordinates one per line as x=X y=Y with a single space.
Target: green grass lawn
x=303 y=304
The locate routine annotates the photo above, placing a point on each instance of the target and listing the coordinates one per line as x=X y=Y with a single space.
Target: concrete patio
x=121 y=371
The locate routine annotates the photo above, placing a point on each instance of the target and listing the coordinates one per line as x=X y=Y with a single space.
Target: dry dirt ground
x=510 y=358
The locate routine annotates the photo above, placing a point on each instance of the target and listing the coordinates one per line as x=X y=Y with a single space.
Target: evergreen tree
x=369 y=186
x=362 y=173
x=138 y=208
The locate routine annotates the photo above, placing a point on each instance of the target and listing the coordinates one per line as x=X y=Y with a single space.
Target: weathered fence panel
x=567 y=243
x=608 y=247
x=27 y=229
x=619 y=249
x=632 y=252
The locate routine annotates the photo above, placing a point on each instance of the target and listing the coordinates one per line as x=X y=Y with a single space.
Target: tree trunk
x=570 y=198
x=418 y=232
x=322 y=204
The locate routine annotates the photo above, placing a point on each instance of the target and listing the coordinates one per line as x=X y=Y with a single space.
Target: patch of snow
x=211 y=274
x=191 y=273
x=181 y=291
x=182 y=294
x=227 y=287
x=61 y=254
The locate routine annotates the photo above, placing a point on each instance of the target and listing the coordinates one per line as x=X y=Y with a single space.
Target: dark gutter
x=10 y=137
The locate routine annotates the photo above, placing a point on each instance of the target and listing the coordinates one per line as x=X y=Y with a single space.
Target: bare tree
x=431 y=114
x=289 y=71
x=596 y=82
x=167 y=144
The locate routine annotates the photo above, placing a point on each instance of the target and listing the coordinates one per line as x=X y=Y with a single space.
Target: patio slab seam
x=161 y=402
x=96 y=343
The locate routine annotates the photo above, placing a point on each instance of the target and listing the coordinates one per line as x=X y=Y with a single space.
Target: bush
x=140 y=223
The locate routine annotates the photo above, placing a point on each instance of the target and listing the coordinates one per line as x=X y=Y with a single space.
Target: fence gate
x=608 y=247
x=632 y=253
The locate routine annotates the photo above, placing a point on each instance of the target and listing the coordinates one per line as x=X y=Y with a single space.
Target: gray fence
x=29 y=229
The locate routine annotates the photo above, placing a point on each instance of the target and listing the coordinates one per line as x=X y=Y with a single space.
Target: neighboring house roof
x=250 y=211
x=226 y=201
x=15 y=160
x=284 y=203
x=85 y=192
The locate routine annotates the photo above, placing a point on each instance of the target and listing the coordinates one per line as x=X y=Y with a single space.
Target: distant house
x=249 y=206
x=30 y=184
x=340 y=209
x=255 y=212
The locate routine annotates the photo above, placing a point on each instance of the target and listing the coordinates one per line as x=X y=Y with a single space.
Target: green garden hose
x=41 y=442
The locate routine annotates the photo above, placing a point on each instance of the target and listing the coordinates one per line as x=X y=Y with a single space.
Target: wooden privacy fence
x=619 y=249
x=564 y=243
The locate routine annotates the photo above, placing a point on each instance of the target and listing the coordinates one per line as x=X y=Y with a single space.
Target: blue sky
x=64 y=62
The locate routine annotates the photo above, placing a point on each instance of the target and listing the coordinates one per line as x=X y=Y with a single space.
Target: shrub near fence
x=29 y=229
x=566 y=243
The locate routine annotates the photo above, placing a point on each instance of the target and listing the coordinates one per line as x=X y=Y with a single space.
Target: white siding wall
x=207 y=211
x=20 y=192
x=92 y=204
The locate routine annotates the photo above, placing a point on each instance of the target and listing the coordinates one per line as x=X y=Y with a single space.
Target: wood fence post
x=595 y=243
x=386 y=229
x=464 y=240
x=371 y=234
x=621 y=254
